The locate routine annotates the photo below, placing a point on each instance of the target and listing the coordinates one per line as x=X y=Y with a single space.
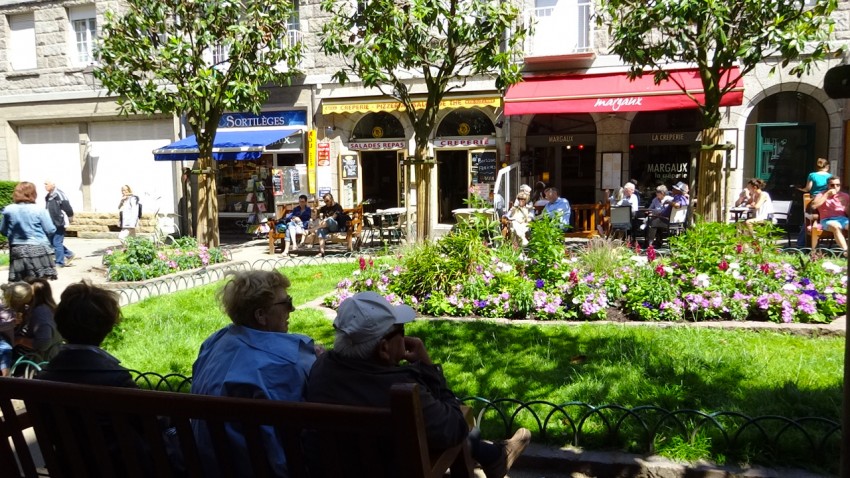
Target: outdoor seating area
x=350 y=238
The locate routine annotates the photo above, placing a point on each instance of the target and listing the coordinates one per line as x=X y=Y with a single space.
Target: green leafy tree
x=716 y=36
x=197 y=59
x=393 y=44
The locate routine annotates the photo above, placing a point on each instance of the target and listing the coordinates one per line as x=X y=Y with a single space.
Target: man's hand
x=414 y=351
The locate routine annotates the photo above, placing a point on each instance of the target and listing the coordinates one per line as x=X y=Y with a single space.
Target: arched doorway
x=466 y=157
x=563 y=152
x=381 y=173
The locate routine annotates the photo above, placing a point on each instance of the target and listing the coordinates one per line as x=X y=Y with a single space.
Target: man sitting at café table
x=662 y=220
x=832 y=206
x=629 y=198
x=557 y=207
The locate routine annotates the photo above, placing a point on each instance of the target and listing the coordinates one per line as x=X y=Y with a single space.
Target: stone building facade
x=57 y=122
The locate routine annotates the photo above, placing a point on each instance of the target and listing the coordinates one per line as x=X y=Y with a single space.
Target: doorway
x=452 y=182
x=380 y=179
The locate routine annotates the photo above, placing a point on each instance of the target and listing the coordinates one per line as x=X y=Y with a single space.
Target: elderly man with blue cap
x=369 y=346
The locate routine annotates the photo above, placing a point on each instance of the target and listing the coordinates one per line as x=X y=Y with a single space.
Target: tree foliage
x=197 y=59
x=716 y=36
x=393 y=45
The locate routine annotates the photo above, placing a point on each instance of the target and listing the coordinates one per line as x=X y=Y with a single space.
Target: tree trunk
x=207 y=204
x=423 y=193
x=709 y=177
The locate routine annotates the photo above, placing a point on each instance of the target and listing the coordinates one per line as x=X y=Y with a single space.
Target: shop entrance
x=380 y=179
x=453 y=182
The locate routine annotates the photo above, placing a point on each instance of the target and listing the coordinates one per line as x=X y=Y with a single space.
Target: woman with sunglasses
x=254 y=357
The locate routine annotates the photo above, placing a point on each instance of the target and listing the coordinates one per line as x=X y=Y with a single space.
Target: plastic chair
x=781 y=211
x=621 y=221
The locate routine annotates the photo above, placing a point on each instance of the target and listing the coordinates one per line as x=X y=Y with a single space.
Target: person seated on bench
x=85 y=316
x=832 y=206
x=296 y=222
x=557 y=207
x=36 y=334
x=363 y=366
x=332 y=220
x=518 y=217
x=661 y=220
x=254 y=357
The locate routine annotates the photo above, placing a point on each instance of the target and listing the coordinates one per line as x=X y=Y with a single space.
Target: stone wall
x=101 y=225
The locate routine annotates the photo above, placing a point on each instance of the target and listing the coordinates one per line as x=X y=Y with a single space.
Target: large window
x=83 y=32
x=21 y=49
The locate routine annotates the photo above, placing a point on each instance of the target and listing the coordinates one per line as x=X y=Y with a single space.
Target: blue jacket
x=25 y=223
x=242 y=362
x=559 y=209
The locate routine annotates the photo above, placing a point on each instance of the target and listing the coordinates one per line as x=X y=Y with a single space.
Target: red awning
x=611 y=93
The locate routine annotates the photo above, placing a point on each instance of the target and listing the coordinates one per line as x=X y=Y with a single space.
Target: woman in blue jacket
x=28 y=228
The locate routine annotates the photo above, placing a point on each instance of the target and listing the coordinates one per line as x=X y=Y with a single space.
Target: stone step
x=105 y=225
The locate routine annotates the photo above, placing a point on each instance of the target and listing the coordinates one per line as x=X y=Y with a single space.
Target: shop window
x=378 y=126
x=561 y=124
x=465 y=122
x=666 y=121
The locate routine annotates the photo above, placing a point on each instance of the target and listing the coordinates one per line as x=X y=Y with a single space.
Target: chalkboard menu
x=486 y=166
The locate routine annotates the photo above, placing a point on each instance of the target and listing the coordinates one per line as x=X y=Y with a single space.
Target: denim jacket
x=27 y=224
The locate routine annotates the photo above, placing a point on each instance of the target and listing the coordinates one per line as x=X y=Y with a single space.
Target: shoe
x=70 y=258
x=511 y=450
x=321 y=254
x=67 y=264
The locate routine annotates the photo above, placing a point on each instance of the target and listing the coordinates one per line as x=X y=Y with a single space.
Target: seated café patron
x=557 y=207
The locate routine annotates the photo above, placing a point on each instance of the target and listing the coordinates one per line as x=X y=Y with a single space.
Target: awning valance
x=612 y=93
x=234 y=144
x=347 y=106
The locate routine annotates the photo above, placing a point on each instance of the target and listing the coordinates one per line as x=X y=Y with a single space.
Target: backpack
x=139 y=203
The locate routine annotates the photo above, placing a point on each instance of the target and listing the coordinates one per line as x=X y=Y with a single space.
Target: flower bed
x=711 y=272
x=141 y=259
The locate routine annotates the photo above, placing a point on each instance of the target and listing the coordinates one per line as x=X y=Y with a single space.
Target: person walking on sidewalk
x=62 y=214
x=28 y=228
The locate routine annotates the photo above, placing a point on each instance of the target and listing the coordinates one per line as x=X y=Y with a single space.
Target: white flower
x=830 y=267
x=355 y=273
x=701 y=280
x=640 y=260
x=734 y=265
x=737 y=275
x=789 y=287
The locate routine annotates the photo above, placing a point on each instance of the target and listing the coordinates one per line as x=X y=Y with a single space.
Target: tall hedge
x=6 y=189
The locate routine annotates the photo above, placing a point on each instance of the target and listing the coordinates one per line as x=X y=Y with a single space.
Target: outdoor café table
x=740 y=213
x=389 y=223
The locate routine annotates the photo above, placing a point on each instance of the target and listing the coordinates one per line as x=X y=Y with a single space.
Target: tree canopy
x=394 y=45
x=197 y=59
x=717 y=36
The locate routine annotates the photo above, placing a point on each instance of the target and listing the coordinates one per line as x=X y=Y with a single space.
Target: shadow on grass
x=731 y=397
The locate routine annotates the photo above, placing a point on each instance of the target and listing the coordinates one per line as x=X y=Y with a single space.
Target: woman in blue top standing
x=28 y=228
x=296 y=222
x=815 y=184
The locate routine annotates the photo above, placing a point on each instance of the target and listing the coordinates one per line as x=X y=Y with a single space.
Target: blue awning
x=230 y=145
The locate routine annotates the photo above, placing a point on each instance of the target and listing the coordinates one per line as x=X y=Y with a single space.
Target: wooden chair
x=816 y=232
x=585 y=217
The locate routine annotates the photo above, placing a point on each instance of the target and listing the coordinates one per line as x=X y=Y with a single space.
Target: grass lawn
x=755 y=373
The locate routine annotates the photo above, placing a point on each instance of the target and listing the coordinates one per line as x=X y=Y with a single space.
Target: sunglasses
x=832 y=185
x=287 y=302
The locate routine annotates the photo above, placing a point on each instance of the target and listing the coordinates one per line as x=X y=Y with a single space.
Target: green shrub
x=141 y=259
x=6 y=189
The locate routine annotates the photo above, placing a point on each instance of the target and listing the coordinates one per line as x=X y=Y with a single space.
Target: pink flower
x=765 y=268
x=650 y=253
x=723 y=266
x=362 y=263
x=739 y=248
x=660 y=270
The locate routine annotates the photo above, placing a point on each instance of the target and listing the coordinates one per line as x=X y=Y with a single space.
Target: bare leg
x=838 y=233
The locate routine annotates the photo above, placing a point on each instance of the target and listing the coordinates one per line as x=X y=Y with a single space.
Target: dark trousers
x=652 y=227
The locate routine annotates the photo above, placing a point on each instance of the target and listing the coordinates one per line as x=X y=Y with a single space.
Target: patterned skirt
x=31 y=261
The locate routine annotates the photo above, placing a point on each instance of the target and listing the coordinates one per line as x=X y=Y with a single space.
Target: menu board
x=486 y=166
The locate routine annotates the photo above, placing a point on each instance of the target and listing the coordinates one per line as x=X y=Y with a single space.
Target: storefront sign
x=682 y=137
x=323 y=154
x=265 y=118
x=465 y=142
x=363 y=145
x=667 y=171
x=311 y=161
x=560 y=138
x=328 y=106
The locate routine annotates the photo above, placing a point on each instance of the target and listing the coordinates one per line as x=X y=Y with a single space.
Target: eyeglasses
x=287 y=302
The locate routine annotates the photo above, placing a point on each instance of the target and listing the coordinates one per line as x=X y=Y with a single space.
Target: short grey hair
x=344 y=346
x=629 y=186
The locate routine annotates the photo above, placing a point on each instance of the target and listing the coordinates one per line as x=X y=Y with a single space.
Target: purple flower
x=539 y=283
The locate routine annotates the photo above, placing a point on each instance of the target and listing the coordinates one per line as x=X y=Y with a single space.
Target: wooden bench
x=351 y=237
x=69 y=420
